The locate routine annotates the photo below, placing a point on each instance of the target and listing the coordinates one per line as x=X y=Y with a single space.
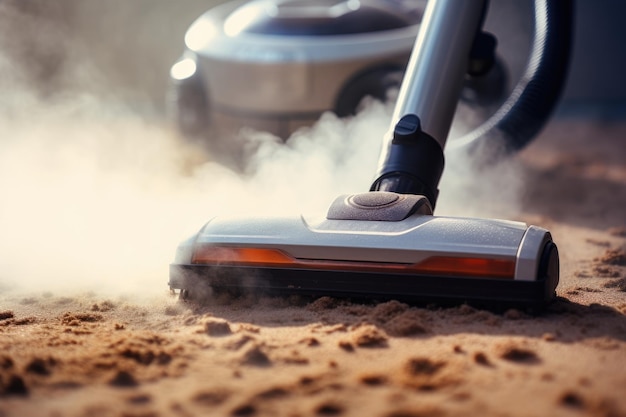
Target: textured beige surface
x=92 y=355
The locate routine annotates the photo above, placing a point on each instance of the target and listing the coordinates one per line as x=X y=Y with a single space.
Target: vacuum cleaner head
x=376 y=245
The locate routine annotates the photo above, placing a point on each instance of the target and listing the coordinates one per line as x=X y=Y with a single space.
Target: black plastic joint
x=414 y=162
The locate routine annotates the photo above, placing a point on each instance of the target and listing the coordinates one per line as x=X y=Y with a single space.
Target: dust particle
x=549 y=337
x=139 y=399
x=256 y=357
x=323 y=303
x=103 y=306
x=74 y=319
x=572 y=399
x=174 y=310
x=6 y=362
x=244 y=410
x=386 y=311
x=601 y=243
x=423 y=366
x=273 y=393
x=190 y=321
x=245 y=327
x=408 y=323
x=307 y=380
x=357 y=310
x=144 y=356
x=295 y=358
x=582 y=274
x=373 y=379
x=329 y=409
x=123 y=379
x=7 y=314
x=514 y=314
x=14 y=386
x=24 y=321
x=465 y=309
x=481 y=359
x=310 y=341
x=613 y=257
x=618 y=231
x=587 y=289
x=239 y=343
x=517 y=354
x=620 y=284
x=217 y=328
x=211 y=398
x=40 y=366
x=604 y=271
x=369 y=337
x=427 y=411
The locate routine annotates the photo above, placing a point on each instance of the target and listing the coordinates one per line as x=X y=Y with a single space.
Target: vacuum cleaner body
x=277 y=65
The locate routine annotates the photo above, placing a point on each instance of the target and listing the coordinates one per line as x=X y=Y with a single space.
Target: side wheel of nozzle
x=549 y=268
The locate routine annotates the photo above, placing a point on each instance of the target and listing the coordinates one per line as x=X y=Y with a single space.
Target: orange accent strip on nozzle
x=225 y=255
x=437 y=265
x=479 y=267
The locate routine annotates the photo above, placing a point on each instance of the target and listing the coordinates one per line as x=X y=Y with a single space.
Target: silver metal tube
x=434 y=76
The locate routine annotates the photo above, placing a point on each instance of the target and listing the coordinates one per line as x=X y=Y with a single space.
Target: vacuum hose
x=534 y=97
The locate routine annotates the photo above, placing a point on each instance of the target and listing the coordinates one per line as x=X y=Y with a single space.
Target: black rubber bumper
x=413 y=289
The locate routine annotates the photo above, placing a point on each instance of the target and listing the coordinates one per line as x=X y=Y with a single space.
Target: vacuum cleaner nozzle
x=378 y=245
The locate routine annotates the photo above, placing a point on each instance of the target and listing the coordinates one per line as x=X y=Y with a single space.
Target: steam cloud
x=96 y=194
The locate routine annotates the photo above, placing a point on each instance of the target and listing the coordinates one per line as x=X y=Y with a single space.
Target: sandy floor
x=89 y=355
x=67 y=163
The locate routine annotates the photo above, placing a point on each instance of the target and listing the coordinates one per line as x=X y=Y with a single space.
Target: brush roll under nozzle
x=413 y=163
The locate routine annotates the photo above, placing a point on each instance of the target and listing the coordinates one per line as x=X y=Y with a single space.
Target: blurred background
x=123 y=49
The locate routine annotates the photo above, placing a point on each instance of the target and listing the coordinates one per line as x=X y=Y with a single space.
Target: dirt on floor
x=87 y=354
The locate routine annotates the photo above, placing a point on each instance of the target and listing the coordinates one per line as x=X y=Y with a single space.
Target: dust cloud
x=98 y=191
